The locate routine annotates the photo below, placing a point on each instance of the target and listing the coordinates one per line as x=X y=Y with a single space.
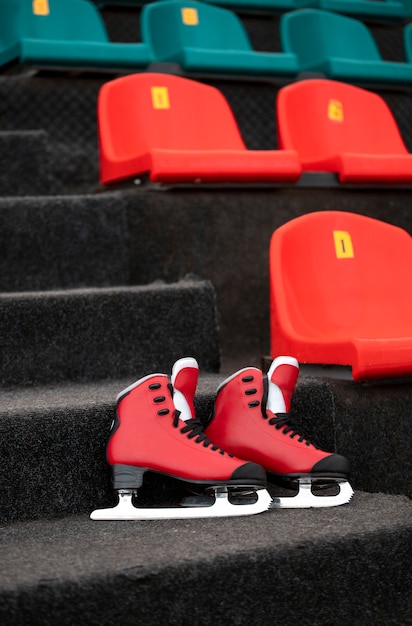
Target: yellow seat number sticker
x=160 y=98
x=343 y=244
x=335 y=110
x=41 y=7
x=190 y=16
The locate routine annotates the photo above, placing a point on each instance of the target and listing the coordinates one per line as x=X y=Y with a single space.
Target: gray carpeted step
x=53 y=440
x=25 y=163
x=63 y=241
x=338 y=566
x=91 y=334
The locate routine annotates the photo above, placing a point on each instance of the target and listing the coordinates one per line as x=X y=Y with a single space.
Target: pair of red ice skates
x=249 y=435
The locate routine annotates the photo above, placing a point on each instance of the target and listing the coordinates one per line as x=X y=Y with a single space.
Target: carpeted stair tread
x=320 y=566
x=63 y=242
x=90 y=334
x=155 y=543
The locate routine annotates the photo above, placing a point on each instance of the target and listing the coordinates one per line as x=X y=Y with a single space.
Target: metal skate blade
x=305 y=498
x=235 y=496
x=222 y=507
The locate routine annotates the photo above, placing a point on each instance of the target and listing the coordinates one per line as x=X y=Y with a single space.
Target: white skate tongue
x=282 y=377
x=182 y=406
x=185 y=373
x=275 y=401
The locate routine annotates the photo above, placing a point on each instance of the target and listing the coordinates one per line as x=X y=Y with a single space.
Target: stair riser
x=63 y=242
x=25 y=163
x=91 y=335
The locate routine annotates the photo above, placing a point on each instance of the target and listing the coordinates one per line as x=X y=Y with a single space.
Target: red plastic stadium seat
x=341 y=294
x=337 y=127
x=178 y=130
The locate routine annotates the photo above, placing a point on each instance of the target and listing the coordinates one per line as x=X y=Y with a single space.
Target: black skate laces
x=280 y=420
x=284 y=420
x=194 y=428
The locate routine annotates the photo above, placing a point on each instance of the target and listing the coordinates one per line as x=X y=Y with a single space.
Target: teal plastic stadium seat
x=128 y=3
x=63 y=33
x=136 y=3
x=269 y=6
x=396 y=10
x=407 y=41
x=340 y=47
x=206 y=39
x=261 y=6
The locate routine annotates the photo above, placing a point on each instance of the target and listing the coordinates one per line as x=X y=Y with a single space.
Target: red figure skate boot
x=156 y=430
x=251 y=420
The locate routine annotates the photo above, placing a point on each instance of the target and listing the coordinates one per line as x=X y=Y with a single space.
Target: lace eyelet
x=159 y=399
x=163 y=412
x=154 y=386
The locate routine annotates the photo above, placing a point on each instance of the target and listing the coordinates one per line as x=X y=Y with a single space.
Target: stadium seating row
x=200 y=38
x=174 y=129
x=384 y=9
x=260 y=6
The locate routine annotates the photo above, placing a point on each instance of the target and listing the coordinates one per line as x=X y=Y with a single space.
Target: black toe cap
x=333 y=465
x=250 y=474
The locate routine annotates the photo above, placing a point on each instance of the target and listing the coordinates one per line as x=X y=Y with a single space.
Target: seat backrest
x=341 y=274
x=314 y=35
x=407 y=8
x=9 y=22
x=407 y=42
x=262 y=6
x=322 y=118
x=142 y=112
x=57 y=20
x=171 y=25
x=391 y=10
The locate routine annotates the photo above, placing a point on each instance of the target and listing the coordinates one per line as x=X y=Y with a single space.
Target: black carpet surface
x=25 y=163
x=91 y=334
x=345 y=565
x=63 y=241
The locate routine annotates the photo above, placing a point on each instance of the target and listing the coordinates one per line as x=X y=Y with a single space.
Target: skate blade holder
x=309 y=495
x=221 y=507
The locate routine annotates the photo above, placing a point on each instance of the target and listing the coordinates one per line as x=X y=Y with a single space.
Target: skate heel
x=127 y=477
